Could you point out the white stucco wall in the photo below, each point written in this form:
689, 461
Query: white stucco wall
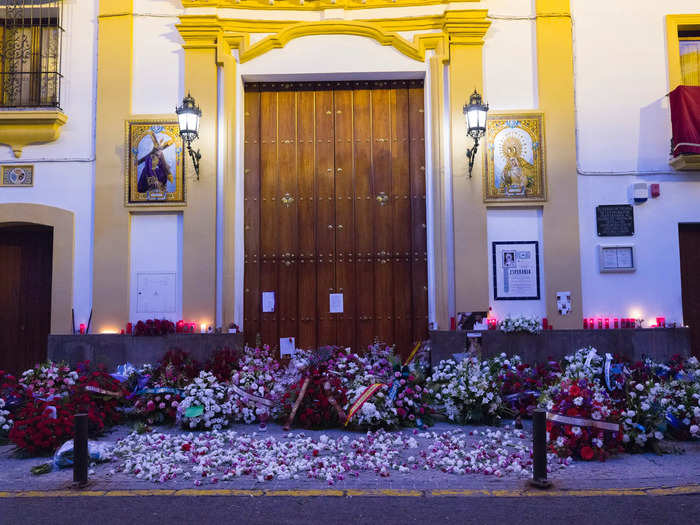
624, 132
155, 250
516, 224
64, 170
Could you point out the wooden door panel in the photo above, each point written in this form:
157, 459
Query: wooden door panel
306, 165
345, 214
325, 221
269, 220
286, 206
689, 244
26, 256
419, 268
10, 299
251, 297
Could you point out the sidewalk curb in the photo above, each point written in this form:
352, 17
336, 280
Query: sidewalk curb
648, 491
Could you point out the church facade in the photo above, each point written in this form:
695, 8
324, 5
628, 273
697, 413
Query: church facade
333, 199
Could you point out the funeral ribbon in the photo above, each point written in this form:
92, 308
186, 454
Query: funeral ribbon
297, 403
256, 399
580, 422
99, 390
159, 390
413, 353
364, 397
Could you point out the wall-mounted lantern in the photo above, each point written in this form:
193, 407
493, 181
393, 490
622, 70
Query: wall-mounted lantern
475, 115
188, 115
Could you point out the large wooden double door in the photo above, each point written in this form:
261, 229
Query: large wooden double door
335, 204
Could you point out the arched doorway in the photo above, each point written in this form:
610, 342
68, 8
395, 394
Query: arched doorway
26, 262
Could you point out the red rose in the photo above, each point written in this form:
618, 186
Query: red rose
587, 453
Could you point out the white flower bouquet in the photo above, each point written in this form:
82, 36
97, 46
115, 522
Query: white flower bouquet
468, 391
5, 421
520, 324
206, 404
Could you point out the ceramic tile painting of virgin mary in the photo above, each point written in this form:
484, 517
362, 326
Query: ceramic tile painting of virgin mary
514, 163
155, 174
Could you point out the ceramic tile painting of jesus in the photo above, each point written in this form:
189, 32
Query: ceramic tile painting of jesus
155, 169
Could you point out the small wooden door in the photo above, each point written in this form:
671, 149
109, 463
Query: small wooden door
25, 295
335, 204
689, 240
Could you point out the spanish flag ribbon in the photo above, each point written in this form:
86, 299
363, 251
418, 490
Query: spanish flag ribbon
364, 397
413, 353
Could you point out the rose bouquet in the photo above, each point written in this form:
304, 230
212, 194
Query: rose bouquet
40, 427
154, 327
159, 393
222, 363
520, 324
11, 392
255, 387
587, 418
177, 369
99, 395
158, 407
323, 394
206, 404
49, 380
523, 383
377, 412
467, 391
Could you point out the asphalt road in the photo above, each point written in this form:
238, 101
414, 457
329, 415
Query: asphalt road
350, 510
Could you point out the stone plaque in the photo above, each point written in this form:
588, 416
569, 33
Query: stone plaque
615, 220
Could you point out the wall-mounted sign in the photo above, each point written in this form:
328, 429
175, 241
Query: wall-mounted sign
336, 303
615, 220
616, 258
17, 176
268, 302
516, 270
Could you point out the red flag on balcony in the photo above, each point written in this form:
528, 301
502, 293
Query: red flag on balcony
685, 120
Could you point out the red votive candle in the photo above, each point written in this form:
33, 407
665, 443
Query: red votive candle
122, 332
607, 323
661, 322
453, 324
545, 323
129, 328
82, 328
585, 323
591, 323
616, 323
600, 323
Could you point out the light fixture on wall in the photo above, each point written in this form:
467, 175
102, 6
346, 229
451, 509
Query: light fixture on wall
188, 115
475, 115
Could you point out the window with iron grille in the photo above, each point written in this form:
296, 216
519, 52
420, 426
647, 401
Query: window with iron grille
30, 38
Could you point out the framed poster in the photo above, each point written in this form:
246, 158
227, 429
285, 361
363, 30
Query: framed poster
614, 258
514, 167
155, 173
516, 270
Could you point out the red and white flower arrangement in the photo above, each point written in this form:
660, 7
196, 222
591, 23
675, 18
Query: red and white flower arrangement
256, 386
49, 380
583, 401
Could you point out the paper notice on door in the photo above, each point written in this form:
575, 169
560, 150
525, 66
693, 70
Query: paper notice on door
268, 302
287, 346
336, 303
